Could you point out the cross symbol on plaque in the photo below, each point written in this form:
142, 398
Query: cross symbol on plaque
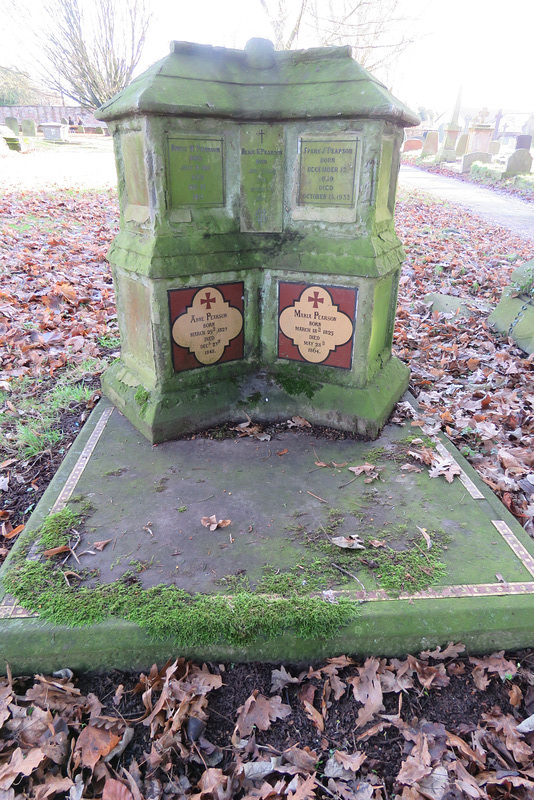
208, 301
261, 134
316, 299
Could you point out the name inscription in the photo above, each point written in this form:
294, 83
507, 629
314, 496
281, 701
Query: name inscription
316, 324
206, 325
195, 171
262, 178
327, 172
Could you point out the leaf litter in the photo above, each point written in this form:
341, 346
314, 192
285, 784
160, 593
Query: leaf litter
385, 729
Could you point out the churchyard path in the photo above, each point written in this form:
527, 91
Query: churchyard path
509, 212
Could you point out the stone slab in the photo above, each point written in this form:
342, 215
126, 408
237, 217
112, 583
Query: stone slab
149, 500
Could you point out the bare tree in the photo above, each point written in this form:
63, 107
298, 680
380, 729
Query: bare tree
87, 50
376, 30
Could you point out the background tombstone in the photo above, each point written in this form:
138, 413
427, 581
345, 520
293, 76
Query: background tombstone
55, 131
480, 137
469, 159
518, 163
461, 145
12, 141
29, 128
494, 148
257, 265
430, 147
523, 142
412, 145
13, 123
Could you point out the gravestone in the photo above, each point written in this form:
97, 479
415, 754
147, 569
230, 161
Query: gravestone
523, 142
256, 268
7, 135
479, 139
412, 145
518, 163
55, 131
28, 128
469, 159
461, 145
514, 315
494, 148
13, 123
430, 147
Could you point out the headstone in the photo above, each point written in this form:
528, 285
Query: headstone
411, 145
518, 163
64, 121
469, 159
523, 142
494, 148
55, 131
28, 128
461, 145
514, 315
257, 264
13, 123
12, 141
479, 139
430, 147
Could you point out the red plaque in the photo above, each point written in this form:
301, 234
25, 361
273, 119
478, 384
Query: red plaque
206, 325
316, 323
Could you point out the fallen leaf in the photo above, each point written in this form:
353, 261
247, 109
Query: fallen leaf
94, 743
213, 523
100, 545
115, 790
14, 532
282, 452
258, 711
351, 542
55, 551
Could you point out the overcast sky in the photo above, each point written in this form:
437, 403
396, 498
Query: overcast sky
483, 45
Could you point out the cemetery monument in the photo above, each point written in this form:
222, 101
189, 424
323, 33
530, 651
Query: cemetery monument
256, 268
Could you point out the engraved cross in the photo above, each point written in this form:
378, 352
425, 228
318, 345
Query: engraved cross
208, 301
261, 134
316, 299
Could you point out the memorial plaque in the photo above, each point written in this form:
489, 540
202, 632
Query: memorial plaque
316, 323
327, 172
206, 325
262, 178
195, 171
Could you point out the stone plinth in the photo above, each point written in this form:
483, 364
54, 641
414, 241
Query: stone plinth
257, 265
480, 137
448, 150
55, 131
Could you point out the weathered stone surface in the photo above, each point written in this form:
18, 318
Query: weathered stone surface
172, 486
469, 159
260, 205
514, 315
431, 144
7, 135
55, 131
13, 124
524, 141
412, 145
458, 306
461, 145
494, 148
479, 139
518, 163
29, 127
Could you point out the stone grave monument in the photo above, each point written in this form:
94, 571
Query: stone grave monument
13, 124
55, 131
256, 268
431, 144
29, 128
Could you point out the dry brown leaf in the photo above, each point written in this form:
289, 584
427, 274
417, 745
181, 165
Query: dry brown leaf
280, 678
14, 532
351, 542
213, 523
451, 651
100, 545
94, 743
258, 711
516, 696
56, 551
305, 789
352, 761
19, 765
54, 784
115, 790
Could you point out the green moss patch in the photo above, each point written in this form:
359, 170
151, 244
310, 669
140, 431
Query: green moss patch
56, 594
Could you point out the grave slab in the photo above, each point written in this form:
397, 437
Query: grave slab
288, 499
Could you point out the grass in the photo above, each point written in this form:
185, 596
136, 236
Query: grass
33, 427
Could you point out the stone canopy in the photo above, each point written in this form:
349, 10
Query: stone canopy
258, 83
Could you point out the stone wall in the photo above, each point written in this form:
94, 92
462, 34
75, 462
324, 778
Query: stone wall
50, 114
